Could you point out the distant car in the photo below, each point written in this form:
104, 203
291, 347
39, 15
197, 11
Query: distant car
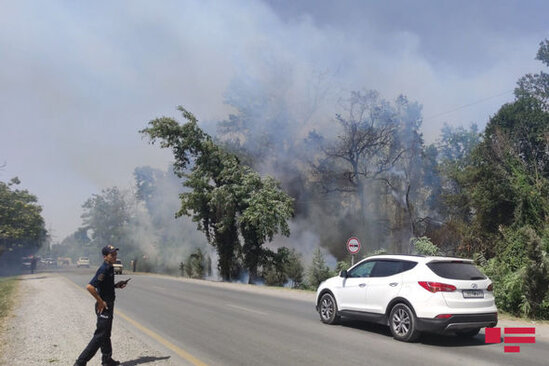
83, 262
49, 261
118, 267
26, 262
411, 294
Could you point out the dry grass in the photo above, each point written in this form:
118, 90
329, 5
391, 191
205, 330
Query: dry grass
8, 286
8, 289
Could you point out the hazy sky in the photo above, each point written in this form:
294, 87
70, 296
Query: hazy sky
79, 79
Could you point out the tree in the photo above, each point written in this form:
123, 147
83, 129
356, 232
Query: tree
225, 198
364, 148
405, 180
537, 85
274, 268
21, 222
146, 179
318, 271
265, 211
294, 269
350, 168
106, 215
206, 169
456, 143
195, 266
424, 246
536, 276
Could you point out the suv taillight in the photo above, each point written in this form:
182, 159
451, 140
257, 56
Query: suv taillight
490, 287
437, 286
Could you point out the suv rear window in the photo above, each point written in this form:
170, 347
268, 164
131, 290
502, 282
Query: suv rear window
456, 270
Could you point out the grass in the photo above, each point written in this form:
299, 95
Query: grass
8, 285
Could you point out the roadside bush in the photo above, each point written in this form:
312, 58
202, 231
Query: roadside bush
318, 271
520, 273
424, 246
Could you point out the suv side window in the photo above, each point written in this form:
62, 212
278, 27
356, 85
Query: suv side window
386, 268
362, 270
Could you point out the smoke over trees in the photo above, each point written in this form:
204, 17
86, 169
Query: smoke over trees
363, 170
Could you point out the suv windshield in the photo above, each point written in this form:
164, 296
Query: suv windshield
456, 270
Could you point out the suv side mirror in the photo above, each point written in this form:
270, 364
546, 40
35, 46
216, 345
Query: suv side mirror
343, 273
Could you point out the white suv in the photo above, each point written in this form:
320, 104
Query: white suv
411, 294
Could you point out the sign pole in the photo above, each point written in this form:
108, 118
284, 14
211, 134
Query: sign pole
353, 247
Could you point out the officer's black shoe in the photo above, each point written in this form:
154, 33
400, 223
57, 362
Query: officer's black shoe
111, 362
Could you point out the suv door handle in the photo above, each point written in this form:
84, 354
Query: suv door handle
393, 284
362, 285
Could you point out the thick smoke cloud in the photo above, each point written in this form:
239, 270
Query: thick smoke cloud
77, 81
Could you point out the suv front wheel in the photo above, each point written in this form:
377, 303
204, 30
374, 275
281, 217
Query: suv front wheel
402, 322
328, 309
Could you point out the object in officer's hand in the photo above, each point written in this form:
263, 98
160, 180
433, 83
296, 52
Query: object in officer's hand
123, 283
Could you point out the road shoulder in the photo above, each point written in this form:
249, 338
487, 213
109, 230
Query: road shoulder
53, 321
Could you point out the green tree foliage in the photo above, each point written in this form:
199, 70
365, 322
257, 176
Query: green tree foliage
225, 198
504, 182
519, 272
21, 221
424, 246
456, 143
536, 276
274, 268
294, 269
281, 267
195, 266
106, 216
343, 265
266, 209
497, 196
318, 271
536, 85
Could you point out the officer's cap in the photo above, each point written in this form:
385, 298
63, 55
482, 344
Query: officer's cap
108, 249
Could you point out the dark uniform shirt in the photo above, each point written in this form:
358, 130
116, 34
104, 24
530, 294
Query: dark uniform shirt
103, 281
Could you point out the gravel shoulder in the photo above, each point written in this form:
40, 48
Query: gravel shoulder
53, 321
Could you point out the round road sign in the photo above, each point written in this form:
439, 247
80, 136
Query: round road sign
353, 245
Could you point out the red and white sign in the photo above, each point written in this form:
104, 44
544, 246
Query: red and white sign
353, 245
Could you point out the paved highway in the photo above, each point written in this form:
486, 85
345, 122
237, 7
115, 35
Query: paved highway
205, 323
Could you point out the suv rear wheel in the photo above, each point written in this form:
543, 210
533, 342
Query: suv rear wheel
328, 309
402, 322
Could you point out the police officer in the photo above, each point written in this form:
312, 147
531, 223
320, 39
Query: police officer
101, 287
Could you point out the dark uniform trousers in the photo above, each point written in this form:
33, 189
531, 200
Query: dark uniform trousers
101, 337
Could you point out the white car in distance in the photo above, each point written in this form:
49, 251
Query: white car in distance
83, 262
411, 294
118, 267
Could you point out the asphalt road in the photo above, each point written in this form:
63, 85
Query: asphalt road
216, 325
